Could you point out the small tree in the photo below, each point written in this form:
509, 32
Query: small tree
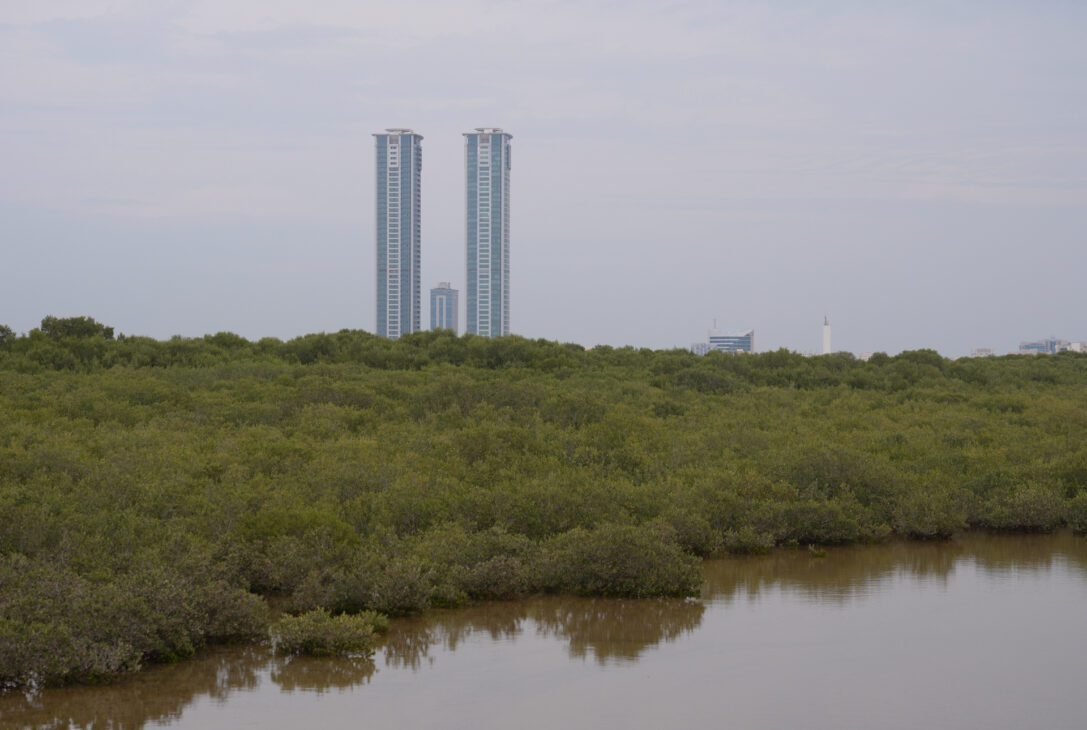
59, 328
6, 335
318, 633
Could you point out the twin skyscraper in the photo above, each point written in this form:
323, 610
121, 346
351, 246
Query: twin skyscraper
487, 231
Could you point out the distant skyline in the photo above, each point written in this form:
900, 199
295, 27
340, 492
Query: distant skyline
918, 171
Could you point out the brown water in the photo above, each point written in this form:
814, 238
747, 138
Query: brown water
982, 632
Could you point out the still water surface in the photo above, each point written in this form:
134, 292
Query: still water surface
982, 632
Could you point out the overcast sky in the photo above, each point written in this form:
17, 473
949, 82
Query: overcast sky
917, 170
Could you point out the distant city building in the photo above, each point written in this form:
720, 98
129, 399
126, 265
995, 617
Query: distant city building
732, 342
826, 336
1050, 346
982, 352
399, 168
700, 348
443, 307
487, 169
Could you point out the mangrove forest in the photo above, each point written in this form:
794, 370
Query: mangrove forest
158, 496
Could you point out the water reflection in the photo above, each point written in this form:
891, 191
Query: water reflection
607, 630
1004, 554
603, 631
157, 695
618, 630
846, 574
162, 693
842, 575
311, 674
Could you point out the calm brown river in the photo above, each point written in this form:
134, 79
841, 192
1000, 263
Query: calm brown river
982, 632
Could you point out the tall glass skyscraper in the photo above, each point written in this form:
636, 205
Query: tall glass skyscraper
443, 307
399, 168
487, 164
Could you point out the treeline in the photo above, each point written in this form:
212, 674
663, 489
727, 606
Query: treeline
152, 493
81, 344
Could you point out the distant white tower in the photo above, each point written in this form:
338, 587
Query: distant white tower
826, 336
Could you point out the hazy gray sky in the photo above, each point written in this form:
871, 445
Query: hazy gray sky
916, 170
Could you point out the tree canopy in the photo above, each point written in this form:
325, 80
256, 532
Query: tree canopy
74, 327
153, 493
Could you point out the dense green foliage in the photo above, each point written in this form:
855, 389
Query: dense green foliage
150, 491
318, 633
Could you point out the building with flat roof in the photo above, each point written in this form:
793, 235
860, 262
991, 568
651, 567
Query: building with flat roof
399, 166
487, 231
443, 307
1048, 346
732, 342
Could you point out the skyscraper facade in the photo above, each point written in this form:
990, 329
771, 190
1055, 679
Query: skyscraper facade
399, 168
443, 307
487, 165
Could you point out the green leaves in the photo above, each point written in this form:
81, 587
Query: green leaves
621, 561
318, 633
152, 492
75, 328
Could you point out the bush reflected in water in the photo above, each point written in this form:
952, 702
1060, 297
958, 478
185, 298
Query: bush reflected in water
313, 674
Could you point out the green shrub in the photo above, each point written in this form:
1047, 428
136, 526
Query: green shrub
1032, 507
318, 633
490, 564
748, 541
232, 614
396, 586
57, 627
500, 578
823, 522
321, 588
691, 531
706, 381
40, 654
928, 515
620, 561
1077, 513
